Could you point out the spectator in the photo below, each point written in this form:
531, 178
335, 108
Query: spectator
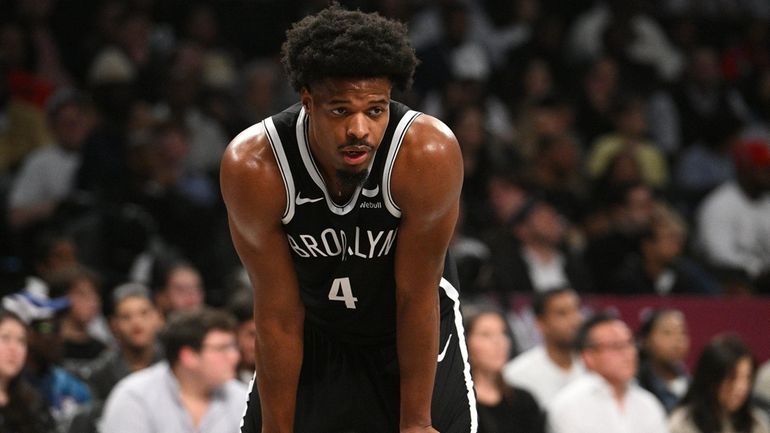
599, 88
177, 286
762, 387
708, 163
534, 258
623, 28
606, 399
24, 127
501, 407
51, 252
629, 135
627, 213
703, 97
64, 394
734, 221
183, 88
547, 368
82, 327
46, 177
663, 346
556, 171
661, 267
136, 323
22, 409
193, 390
242, 308
718, 397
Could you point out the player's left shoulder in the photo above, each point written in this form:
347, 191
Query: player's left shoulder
428, 135
430, 146
428, 170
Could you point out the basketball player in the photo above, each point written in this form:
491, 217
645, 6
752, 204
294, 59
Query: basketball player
341, 209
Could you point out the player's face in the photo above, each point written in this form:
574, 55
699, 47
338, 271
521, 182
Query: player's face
348, 118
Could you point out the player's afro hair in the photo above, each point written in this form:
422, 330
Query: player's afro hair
337, 43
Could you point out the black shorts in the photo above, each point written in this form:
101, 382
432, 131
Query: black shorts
349, 388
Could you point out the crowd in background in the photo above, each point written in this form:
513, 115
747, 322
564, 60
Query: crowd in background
610, 146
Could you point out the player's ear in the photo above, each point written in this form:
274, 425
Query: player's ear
306, 98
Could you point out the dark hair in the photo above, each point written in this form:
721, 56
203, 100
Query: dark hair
162, 270
61, 282
582, 339
650, 319
64, 98
242, 308
716, 363
471, 315
25, 405
347, 44
189, 329
541, 299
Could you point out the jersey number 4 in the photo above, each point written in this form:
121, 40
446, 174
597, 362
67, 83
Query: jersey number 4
341, 291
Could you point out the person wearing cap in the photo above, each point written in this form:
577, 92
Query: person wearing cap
135, 323
734, 222
47, 174
22, 409
64, 393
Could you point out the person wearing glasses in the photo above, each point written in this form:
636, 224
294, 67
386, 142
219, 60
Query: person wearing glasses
194, 390
606, 399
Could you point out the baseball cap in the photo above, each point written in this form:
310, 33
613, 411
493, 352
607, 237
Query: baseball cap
33, 303
752, 153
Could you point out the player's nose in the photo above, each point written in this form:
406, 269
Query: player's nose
358, 126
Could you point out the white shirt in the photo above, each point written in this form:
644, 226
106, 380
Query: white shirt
46, 175
735, 231
587, 405
545, 275
148, 401
536, 372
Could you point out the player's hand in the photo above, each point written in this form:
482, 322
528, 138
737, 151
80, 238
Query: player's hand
428, 429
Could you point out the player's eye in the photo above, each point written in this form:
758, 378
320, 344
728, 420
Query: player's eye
339, 111
376, 111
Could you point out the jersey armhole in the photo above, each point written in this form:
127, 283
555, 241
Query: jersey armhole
283, 166
387, 174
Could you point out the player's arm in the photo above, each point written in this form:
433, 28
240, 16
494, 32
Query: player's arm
426, 186
254, 194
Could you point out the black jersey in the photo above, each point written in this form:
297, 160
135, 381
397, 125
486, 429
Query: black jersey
343, 254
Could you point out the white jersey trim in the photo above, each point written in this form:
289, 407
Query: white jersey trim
452, 293
248, 393
315, 172
387, 173
283, 167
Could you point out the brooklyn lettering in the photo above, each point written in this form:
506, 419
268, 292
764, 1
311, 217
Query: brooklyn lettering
366, 244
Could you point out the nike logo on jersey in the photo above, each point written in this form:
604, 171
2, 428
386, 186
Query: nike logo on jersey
302, 200
442, 355
370, 192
